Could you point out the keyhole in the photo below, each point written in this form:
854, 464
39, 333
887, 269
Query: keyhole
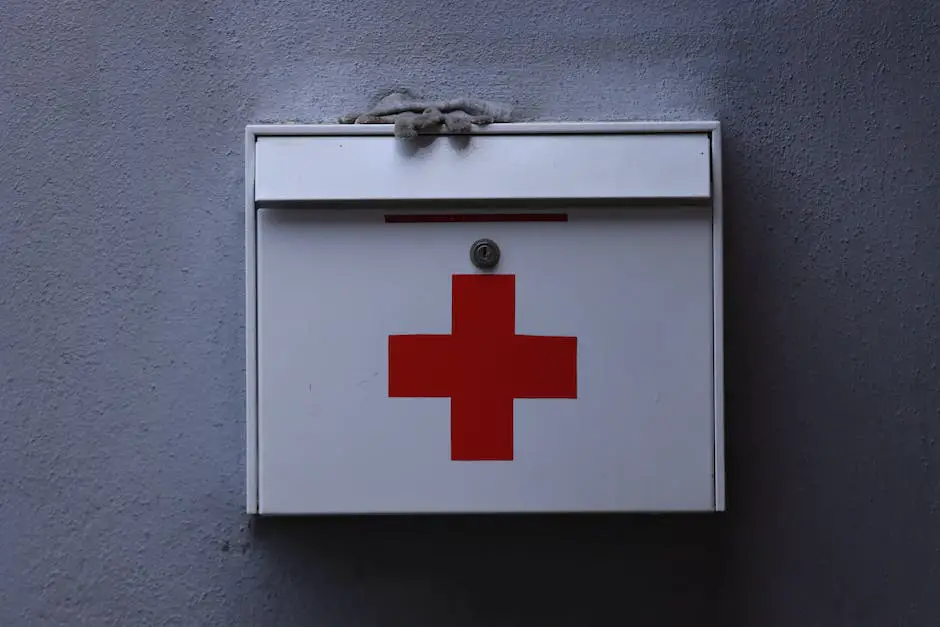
484, 253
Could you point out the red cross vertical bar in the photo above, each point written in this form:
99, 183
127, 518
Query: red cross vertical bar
482, 366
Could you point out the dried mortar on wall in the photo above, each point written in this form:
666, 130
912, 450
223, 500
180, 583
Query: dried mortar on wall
413, 116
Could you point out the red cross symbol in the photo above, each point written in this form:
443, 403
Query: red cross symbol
482, 366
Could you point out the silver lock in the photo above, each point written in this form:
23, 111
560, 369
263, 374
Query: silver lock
484, 254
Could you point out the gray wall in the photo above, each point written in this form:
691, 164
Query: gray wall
121, 297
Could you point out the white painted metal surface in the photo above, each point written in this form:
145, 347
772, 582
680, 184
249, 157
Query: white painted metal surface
493, 166
640, 288
633, 286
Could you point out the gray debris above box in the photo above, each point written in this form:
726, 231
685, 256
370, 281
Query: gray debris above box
413, 116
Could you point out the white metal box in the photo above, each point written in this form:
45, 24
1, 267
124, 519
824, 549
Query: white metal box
386, 373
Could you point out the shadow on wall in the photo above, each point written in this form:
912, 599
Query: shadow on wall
497, 570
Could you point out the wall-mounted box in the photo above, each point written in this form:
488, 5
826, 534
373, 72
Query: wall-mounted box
389, 370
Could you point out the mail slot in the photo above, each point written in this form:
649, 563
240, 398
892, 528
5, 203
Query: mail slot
448, 337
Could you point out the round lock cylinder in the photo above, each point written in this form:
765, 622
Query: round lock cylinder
484, 254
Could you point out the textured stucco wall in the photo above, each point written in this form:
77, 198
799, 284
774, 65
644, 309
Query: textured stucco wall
121, 296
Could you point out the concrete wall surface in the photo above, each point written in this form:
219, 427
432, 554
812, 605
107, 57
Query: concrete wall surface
122, 324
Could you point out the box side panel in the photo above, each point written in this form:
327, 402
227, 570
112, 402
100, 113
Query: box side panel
251, 363
718, 273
